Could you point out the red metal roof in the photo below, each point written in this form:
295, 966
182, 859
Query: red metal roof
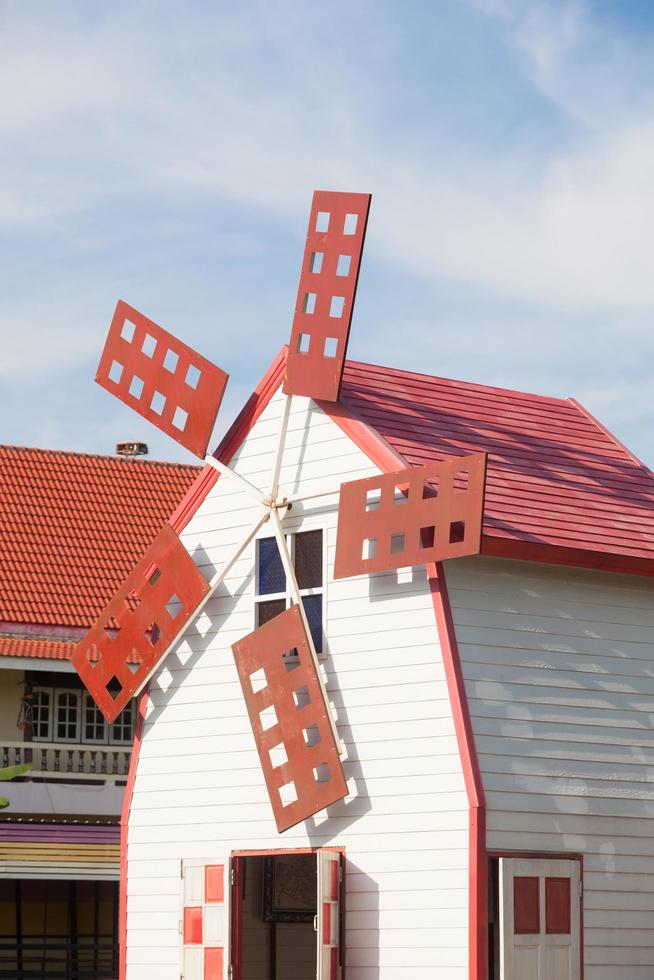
556, 478
72, 526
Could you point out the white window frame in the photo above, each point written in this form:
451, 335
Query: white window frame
124, 741
50, 692
83, 697
77, 693
87, 701
289, 534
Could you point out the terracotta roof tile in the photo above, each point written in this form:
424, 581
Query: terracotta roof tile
47, 649
72, 526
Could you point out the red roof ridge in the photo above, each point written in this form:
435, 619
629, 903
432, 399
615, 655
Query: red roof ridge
112, 457
611, 436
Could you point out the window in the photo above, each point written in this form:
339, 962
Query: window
73, 716
41, 714
67, 717
306, 550
95, 727
122, 729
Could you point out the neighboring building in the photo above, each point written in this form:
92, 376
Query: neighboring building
500, 743
71, 526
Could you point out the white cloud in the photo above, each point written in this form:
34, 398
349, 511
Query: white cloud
572, 231
255, 105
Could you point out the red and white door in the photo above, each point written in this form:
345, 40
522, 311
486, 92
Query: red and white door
330, 874
539, 919
205, 919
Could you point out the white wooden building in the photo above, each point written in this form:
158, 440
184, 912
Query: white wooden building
497, 713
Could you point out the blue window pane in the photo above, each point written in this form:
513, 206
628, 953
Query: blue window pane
271, 571
313, 609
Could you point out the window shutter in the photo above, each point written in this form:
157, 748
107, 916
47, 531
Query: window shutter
205, 919
329, 914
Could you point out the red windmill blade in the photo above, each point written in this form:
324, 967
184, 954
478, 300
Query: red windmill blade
161, 378
290, 719
326, 294
414, 516
138, 626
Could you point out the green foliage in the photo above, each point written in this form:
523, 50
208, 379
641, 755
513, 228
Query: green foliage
10, 772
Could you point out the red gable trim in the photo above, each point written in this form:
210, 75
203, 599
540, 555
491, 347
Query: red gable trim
237, 432
185, 511
478, 860
620, 445
124, 823
386, 457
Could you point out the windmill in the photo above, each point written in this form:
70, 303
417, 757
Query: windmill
416, 515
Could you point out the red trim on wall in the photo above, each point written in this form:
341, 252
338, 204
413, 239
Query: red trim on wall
253, 408
124, 822
478, 859
385, 457
576, 557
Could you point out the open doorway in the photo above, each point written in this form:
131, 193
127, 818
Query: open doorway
286, 908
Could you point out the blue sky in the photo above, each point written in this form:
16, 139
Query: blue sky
166, 153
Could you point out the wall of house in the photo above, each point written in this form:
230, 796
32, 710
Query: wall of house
559, 670
199, 790
10, 694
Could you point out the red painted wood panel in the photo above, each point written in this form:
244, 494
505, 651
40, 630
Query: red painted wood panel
557, 906
214, 962
326, 294
410, 516
162, 379
214, 883
298, 754
136, 628
526, 906
193, 925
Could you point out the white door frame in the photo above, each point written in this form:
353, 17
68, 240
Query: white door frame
541, 867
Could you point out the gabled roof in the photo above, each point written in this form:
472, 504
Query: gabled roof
560, 487
72, 526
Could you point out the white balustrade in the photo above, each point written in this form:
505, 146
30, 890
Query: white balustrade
68, 761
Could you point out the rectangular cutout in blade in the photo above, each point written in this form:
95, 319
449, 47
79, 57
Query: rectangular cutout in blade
137, 627
298, 754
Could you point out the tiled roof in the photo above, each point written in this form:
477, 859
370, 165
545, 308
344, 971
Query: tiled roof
18, 646
72, 526
556, 477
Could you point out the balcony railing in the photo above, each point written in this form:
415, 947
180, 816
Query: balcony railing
66, 761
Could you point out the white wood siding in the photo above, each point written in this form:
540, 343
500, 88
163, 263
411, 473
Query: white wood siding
199, 790
559, 671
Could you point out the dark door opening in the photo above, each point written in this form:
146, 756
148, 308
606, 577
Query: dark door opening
58, 930
278, 909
